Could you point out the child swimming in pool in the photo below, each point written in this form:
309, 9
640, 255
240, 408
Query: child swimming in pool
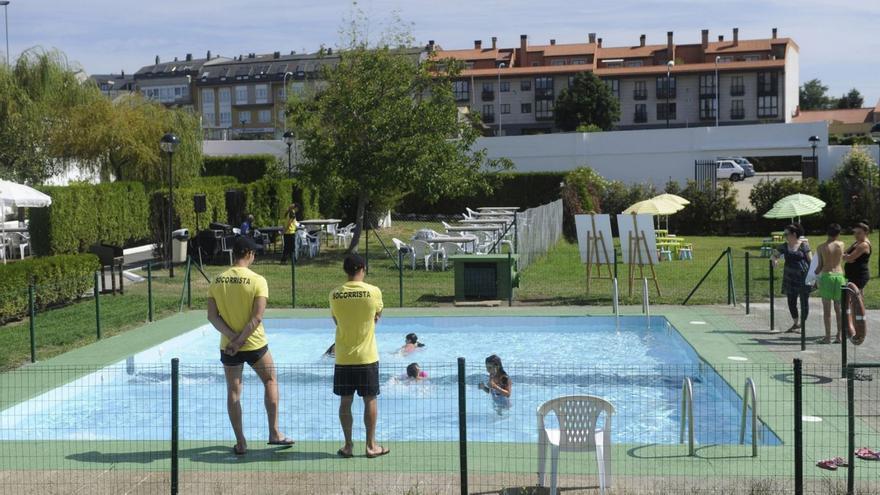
414, 373
412, 344
499, 385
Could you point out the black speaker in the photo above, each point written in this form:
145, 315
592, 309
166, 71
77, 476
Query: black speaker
200, 205
234, 207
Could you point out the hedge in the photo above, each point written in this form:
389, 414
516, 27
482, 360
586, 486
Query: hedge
84, 214
245, 168
59, 280
267, 200
525, 190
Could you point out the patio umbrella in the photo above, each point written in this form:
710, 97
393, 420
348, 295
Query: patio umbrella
656, 206
795, 205
672, 197
15, 195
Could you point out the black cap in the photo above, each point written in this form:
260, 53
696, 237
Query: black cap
353, 263
242, 245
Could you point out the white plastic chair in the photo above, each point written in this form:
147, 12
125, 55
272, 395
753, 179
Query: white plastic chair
448, 249
406, 250
578, 431
446, 226
344, 234
226, 247
423, 251
22, 241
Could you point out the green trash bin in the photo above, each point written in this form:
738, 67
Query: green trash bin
484, 277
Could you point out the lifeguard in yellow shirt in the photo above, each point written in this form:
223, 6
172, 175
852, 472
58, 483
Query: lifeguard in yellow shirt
356, 307
236, 301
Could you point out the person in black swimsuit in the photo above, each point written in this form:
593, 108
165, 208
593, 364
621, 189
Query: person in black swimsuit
857, 256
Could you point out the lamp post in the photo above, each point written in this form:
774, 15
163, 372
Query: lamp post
289, 140
286, 99
5, 4
717, 92
169, 143
669, 66
814, 142
875, 135
500, 66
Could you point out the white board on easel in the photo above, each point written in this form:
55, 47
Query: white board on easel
626, 228
595, 231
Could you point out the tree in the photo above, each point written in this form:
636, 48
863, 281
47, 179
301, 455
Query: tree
857, 179
853, 99
814, 96
589, 101
380, 125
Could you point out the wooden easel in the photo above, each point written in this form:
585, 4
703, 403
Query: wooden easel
594, 240
635, 242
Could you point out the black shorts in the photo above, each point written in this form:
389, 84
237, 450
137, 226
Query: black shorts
360, 378
241, 357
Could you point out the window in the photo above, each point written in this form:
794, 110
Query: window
752, 57
544, 88
737, 110
262, 93
578, 61
177, 92
505, 108
489, 113
461, 90
207, 97
544, 109
737, 87
468, 65
614, 86
282, 93
666, 87
525, 108
525, 85
224, 95
768, 84
505, 86
707, 108
725, 59
640, 91
264, 116
768, 106
632, 63
244, 117
641, 114
665, 112
225, 118
241, 95
707, 85
536, 64
612, 64
488, 87
558, 61
570, 81
281, 116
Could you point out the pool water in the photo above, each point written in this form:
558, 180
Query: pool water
636, 363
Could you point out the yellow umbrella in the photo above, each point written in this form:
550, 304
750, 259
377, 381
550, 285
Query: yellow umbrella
672, 197
655, 206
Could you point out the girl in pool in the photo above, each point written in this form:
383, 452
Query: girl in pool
499, 385
412, 344
414, 373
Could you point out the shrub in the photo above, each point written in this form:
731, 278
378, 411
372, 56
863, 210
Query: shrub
856, 181
244, 168
707, 213
582, 193
267, 200
84, 214
59, 280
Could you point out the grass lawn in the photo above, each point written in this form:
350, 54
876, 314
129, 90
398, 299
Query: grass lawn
555, 279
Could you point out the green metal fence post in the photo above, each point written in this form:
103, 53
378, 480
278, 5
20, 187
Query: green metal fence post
772, 302
175, 413
798, 429
189, 282
400, 274
97, 307
293, 278
748, 285
516, 232
729, 279
462, 428
32, 313
509, 279
850, 429
150, 291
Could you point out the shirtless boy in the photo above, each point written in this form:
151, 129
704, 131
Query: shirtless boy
830, 279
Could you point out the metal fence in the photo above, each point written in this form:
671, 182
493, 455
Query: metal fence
163, 428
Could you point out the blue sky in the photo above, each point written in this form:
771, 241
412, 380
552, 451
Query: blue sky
838, 39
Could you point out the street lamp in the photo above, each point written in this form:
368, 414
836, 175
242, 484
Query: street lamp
289, 139
286, 99
669, 66
814, 141
5, 4
168, 144
717, 92
500, 66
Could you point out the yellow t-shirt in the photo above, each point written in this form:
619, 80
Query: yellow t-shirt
354, 305
291, 226
234, 292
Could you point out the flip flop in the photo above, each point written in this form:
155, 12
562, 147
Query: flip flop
840, 462
343, 454
867, 454
287, 442
827, 464
379, 454
239, 451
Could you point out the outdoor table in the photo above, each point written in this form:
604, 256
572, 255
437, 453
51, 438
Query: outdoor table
272, 232
475, 228
499, 208
485, 221
321, 223
455, 239
500, 214
661, 232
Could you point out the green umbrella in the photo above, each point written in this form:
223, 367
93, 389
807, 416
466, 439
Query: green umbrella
795, 205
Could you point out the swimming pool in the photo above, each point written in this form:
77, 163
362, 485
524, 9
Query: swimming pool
636, 363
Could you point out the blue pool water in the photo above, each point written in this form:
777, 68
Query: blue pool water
635, 363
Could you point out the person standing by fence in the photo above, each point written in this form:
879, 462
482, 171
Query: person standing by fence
830, 279
796, 253
356, 307
857, 257
289, 234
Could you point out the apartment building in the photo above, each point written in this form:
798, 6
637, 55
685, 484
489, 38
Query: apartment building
849, 122
114, 85
170, 83
723, 82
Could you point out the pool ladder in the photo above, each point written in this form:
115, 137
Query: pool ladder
687, 413
615, 296
749, 391
646, 302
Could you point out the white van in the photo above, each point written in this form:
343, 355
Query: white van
729, 169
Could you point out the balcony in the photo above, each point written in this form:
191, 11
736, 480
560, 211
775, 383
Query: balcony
707, 93
663, 93
488, 96
640, 95
488, 118
737, 91
462, 96
544, 94
737, 114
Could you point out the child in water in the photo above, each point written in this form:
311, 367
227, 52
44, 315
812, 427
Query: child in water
414, 372
499, 385
412, 344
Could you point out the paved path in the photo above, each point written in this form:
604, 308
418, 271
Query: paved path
744, 187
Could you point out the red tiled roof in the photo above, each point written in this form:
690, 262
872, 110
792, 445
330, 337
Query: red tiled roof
843, 116
563, 50
629, 51
474, 54
625, 71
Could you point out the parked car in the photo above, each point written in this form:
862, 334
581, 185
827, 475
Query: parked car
748, 168
729, 169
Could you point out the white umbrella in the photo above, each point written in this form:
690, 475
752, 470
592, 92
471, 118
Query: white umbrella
15, 195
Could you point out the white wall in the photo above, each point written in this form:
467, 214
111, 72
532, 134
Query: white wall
632, 156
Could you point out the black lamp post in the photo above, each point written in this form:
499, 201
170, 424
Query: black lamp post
814, 141
669, 65
169, 143
289, 140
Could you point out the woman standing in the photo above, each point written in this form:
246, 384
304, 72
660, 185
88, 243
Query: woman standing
796, 254
290, 227
857, 256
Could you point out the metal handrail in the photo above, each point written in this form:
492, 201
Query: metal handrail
749, 391
616, 297
646, 301
687, 413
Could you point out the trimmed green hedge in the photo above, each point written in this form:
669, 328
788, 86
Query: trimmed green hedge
245, 168
525, 190
84, 214
58, 279
267, 200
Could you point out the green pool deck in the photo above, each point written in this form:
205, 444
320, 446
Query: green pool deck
717, 339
